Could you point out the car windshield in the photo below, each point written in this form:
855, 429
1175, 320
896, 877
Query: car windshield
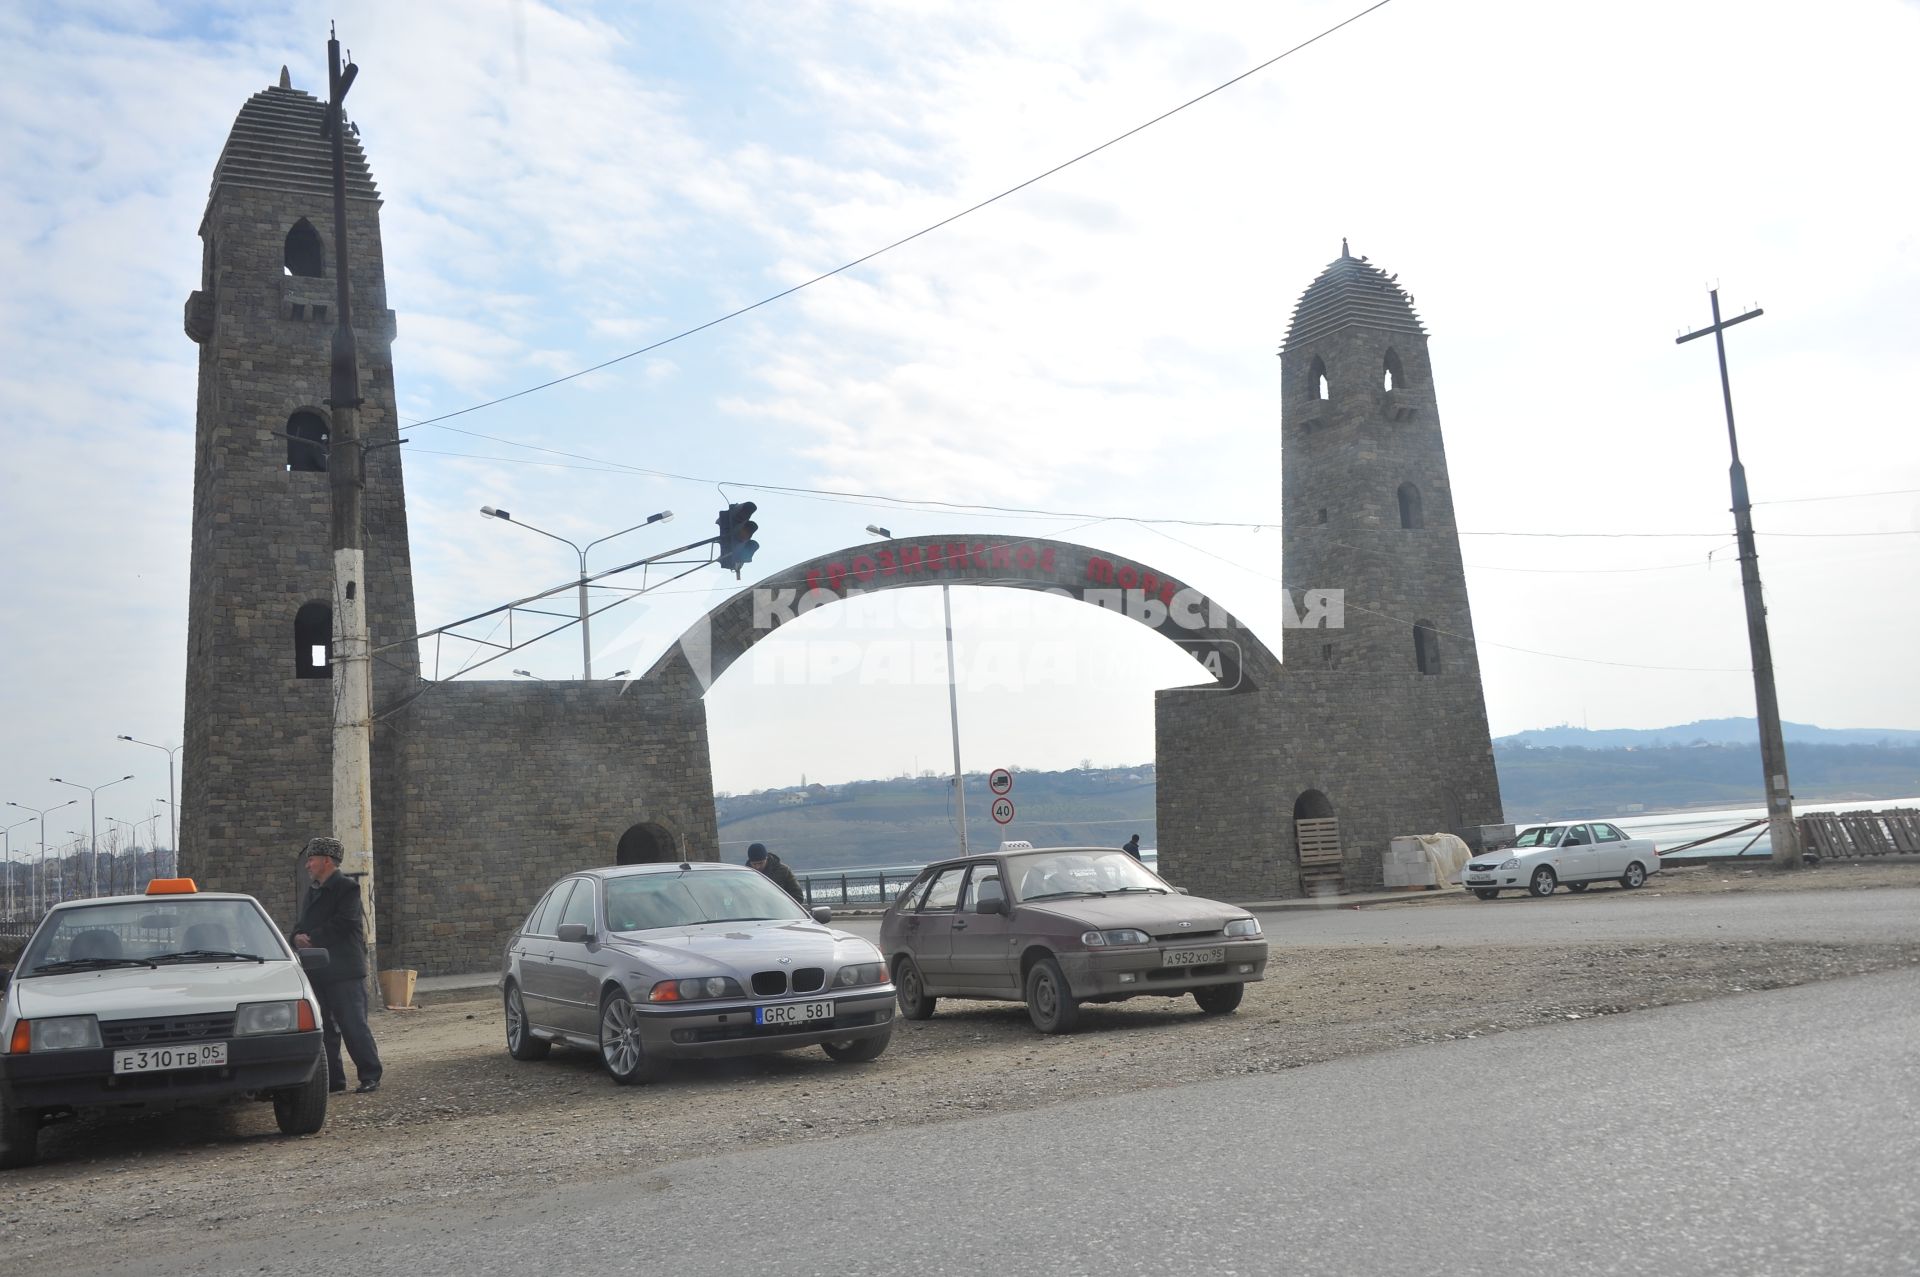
151, 932
1541, 836
1057, 874
645, 902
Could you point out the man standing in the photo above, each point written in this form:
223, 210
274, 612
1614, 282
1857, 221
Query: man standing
1132, 847
331, 919
758, 857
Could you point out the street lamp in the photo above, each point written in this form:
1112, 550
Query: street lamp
173, 811
586, 645
173, 852
41, 812
953, 700
133, 840
530, 674
6, 838
93, 823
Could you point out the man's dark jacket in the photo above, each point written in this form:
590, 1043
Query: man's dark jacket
782, 875
333, 920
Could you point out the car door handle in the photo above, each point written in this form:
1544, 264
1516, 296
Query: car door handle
959, 924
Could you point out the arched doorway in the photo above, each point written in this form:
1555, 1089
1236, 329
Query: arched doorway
645, 844
1316, 835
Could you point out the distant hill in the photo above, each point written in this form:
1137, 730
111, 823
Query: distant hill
1708, 731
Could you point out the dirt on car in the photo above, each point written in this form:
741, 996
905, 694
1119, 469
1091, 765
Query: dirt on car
456, 1118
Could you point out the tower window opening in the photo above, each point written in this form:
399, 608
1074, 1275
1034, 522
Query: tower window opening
1410, 513
1426, 647
304, 255
1393, 376
306, 441
1316, 388
313, 640
1323, 515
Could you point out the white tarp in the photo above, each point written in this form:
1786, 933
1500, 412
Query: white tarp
1426, 860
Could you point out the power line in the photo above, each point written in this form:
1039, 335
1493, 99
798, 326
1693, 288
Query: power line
908, 239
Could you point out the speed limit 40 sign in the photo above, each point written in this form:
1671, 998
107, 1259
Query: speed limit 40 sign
1003, 810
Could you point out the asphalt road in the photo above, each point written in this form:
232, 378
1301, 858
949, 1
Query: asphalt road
1774, 1133
1603, 915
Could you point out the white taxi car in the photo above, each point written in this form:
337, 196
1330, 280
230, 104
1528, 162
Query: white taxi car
175, 997
1571, 853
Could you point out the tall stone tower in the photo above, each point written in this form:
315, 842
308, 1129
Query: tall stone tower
1366, 505
257, 761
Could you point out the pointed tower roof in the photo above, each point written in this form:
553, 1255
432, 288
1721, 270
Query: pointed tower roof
276, 145
1351, 291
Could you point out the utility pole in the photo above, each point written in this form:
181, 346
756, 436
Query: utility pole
953, 715
351, 666
1781, 833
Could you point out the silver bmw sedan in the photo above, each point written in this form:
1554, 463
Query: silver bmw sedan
651, 963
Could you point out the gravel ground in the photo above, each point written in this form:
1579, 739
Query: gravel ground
458, 1119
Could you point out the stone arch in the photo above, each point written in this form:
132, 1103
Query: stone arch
313, 640
1393, 376
304, 254
647, 843
1426, 647
1312, 804
1232, 655
307, 433
1317, 388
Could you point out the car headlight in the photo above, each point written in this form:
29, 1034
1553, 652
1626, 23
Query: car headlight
1512, 862
1244, 927
1123, 935
700, 989
65, 1033
266, 1017
863, 973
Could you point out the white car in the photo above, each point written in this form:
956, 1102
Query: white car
175, 997
1574, 854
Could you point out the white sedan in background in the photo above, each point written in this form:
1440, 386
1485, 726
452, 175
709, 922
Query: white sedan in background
1575, 854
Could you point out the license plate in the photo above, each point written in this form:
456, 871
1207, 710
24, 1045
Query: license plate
156, 1059
1474, 882
793, 1013
1192, 957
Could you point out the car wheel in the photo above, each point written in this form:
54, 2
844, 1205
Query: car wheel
1576, 886
1219, 999
1050, 1003
1635, 876
302, 1110
858, 1050
19, 1137
1543, 882
521, 1044
911, 990
1486, 893
620, 1047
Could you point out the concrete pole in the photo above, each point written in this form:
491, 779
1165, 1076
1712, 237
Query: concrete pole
953, 712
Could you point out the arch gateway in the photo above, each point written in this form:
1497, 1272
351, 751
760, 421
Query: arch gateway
1279, 771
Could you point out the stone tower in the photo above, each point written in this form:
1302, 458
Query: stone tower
1365, 501
259, 624
1298, 782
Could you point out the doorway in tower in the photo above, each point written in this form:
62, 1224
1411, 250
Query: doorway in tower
645, 844
1316, 833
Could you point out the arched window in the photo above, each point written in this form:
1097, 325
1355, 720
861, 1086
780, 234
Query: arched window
313, 640
645, 844
1394, 378
1410, 515
1316, 387
306, 441
1426, 647
304, 255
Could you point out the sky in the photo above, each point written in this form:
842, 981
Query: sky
1558, 187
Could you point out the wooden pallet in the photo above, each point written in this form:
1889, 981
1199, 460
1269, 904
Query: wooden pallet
1322, 866
1850, 835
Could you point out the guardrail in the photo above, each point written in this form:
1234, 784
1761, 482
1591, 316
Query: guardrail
855, 889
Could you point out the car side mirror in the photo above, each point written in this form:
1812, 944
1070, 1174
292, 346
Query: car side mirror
992, 904
573, 933
822, 914
314, 959
1181, 890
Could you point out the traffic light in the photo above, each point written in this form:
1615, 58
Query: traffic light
737, 527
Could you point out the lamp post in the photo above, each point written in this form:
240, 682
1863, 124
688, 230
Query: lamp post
173, 852
133, 842
93, 823
6, 836
172, 811
953, 700
530, 674
586, 645
41, 812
